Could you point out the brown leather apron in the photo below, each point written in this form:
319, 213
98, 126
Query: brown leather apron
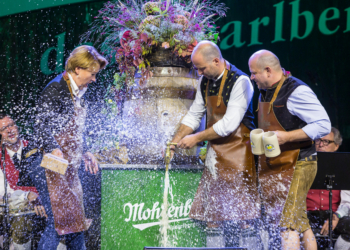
66, 193
228, 187
275, 174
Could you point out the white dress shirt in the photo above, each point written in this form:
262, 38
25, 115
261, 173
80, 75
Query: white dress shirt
22, 194
19, 151
2, 185
344, 206
76, 91
240, 98
304, 104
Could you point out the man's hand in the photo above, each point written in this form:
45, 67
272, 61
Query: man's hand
32, 196
90, 163
172, 151
39, 209
335, 220
188, 142
57, 152
282, 137
291, 136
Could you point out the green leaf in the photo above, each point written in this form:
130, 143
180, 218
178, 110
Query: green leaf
216, 36
156, 9
203, 151
108, 89
116, 77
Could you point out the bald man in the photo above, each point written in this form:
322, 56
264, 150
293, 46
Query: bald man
290, 108
227, 191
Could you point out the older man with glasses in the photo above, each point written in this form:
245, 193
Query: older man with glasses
19, 187
317, 200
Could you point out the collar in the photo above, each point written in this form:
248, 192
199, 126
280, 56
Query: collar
274, 85
220, 76
19, 151
76, 91
285, 73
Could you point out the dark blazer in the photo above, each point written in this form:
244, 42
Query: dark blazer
55, 108
23, 167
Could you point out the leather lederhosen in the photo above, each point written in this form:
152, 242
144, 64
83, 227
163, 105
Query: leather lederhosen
66, 193
228, 187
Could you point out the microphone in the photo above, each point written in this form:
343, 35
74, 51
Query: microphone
2, 160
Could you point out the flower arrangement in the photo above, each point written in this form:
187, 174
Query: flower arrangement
130, 30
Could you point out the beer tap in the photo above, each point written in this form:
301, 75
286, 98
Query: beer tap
167, 157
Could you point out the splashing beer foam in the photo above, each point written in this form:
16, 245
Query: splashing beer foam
164, 222
210, 162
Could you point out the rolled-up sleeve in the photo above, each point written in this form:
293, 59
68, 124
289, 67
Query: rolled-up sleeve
240, 98
344, 207
194, 116
304, 104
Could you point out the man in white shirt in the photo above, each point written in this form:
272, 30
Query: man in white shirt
227, 192
290, 108
341, 220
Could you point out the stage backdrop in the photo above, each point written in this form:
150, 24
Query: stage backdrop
310, 39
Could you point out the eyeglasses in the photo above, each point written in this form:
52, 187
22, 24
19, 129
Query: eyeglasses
325, 142
11, 125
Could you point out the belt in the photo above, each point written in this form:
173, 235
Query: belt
309, 158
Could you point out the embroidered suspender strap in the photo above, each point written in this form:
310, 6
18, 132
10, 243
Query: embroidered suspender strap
206, 93
285, 75
66, 78
279, 86
223, 80
258, 105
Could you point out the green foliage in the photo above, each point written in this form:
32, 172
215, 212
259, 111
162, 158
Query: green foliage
203, 150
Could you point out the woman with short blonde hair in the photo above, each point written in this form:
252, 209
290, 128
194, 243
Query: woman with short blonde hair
85, 57
59, 129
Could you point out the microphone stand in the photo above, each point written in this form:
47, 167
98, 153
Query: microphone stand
5, 205
330, 224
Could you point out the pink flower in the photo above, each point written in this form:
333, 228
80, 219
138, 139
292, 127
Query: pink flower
180, 19
166, 45
144, 37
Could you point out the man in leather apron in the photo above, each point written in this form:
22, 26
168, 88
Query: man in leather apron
60, 122
228, 188
290, 108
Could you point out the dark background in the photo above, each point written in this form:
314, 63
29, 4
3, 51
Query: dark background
319, 60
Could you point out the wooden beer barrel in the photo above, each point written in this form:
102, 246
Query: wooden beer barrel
152, 114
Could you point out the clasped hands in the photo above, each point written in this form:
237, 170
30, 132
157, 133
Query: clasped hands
325, 228
17, 200
38, 207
